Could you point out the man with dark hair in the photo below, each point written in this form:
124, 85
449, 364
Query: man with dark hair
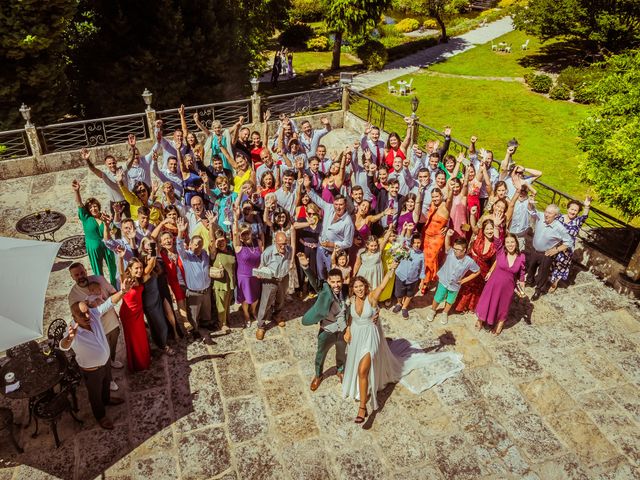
331, 312
287, 194
337, 228
109, 179
310, 138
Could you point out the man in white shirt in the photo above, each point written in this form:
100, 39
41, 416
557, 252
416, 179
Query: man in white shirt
110, 322
89, 342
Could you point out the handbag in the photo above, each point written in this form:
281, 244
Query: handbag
217, 273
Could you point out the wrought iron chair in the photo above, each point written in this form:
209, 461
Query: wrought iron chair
56, 331
71, 378
6, 423
50, 411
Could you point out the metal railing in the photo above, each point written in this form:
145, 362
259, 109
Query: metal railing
227, 113
615, 238
62, 137
14, 144
303, 103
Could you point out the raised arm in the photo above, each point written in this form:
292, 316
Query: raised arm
339, 181
265, 129
472, 145
407, 138
228, 156
447, 141
75, 186
504, 166
85, 154
235, 130
315, 198
447, 240
314, 281
183, 122
203, 129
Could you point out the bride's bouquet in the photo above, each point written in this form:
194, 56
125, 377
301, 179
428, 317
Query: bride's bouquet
400, 251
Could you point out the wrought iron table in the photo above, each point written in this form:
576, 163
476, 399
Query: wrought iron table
72, 248
41, 225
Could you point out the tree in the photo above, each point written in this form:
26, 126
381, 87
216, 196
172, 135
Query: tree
439, 10
610, 24
609, 136
32, 52
353, 16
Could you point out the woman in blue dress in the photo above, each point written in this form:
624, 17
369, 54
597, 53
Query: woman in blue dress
573, 223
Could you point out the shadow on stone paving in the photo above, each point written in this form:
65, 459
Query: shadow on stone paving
176, 390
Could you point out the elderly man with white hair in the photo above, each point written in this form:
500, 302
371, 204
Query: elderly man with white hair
275, 263
549, 239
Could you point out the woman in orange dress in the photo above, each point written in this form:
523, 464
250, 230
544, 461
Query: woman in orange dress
434, 230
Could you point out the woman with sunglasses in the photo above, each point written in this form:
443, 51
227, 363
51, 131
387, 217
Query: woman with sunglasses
141, 196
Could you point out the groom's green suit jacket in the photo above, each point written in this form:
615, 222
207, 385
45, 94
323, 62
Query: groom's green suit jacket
320, 310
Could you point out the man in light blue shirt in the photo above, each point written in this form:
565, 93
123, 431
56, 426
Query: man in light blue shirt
195, 262
337, 228
549, 239
310, 138
170, 174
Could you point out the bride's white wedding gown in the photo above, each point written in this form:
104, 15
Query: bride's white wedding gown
397, 361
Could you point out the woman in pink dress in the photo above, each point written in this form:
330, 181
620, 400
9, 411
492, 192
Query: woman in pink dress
459, 219
132, 318
495, 300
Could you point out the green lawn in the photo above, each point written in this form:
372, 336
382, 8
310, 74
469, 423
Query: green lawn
482, 61
495, 112
307, 62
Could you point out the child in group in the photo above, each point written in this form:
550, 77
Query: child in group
452, 275
95, 296
340, 260
409, 273
369, 261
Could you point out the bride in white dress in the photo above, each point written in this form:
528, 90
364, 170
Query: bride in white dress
373, 363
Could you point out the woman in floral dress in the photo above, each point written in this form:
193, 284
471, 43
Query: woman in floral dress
573, 223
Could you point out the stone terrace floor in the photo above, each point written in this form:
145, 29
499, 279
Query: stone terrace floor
554, 399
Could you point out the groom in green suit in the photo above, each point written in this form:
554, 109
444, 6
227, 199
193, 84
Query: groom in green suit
331, 312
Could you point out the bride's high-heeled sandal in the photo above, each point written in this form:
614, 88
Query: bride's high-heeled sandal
359, 418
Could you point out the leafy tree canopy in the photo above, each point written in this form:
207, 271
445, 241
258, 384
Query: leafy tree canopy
610, 24
611, 135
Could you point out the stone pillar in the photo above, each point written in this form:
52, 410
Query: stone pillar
633, 268
345, 98
414, 130
34, 141
256, 113
151, 120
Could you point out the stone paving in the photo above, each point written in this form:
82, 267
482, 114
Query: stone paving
556, 396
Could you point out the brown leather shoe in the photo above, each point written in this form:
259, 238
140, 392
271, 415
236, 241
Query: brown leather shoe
315, 383
281, 322
106, 423
115, 401
260, 333
340, 376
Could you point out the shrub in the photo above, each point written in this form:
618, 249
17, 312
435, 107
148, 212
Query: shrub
373, 55
296, 35
560, 92
388, 30
541, 83
319, 44
404, 49
488, 13
456, 6
528, 77
306, 10
407, 25
430, 24
584, 93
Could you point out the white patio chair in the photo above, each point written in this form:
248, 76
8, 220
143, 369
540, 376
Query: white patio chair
525, 45
507, 49
494, 47
409, 86
390, 87
403, 89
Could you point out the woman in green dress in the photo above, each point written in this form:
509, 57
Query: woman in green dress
222, 271
93, 225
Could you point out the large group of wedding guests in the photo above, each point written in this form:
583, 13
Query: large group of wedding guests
208, 219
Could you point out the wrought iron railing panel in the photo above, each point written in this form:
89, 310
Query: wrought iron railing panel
227, 113
14, 144
613, 237
297, 104
92, 133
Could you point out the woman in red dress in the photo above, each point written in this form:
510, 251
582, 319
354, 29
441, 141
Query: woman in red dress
132, 318
483, 252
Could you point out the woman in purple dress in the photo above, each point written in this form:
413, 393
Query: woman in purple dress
247, 258
497, 295
362, 222
410, 212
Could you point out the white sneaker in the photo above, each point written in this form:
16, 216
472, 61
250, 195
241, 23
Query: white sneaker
113, 386
430, 315
117, 364
444, 318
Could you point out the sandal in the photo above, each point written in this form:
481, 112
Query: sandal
478, 325
552, 288
360, 418
169, 351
